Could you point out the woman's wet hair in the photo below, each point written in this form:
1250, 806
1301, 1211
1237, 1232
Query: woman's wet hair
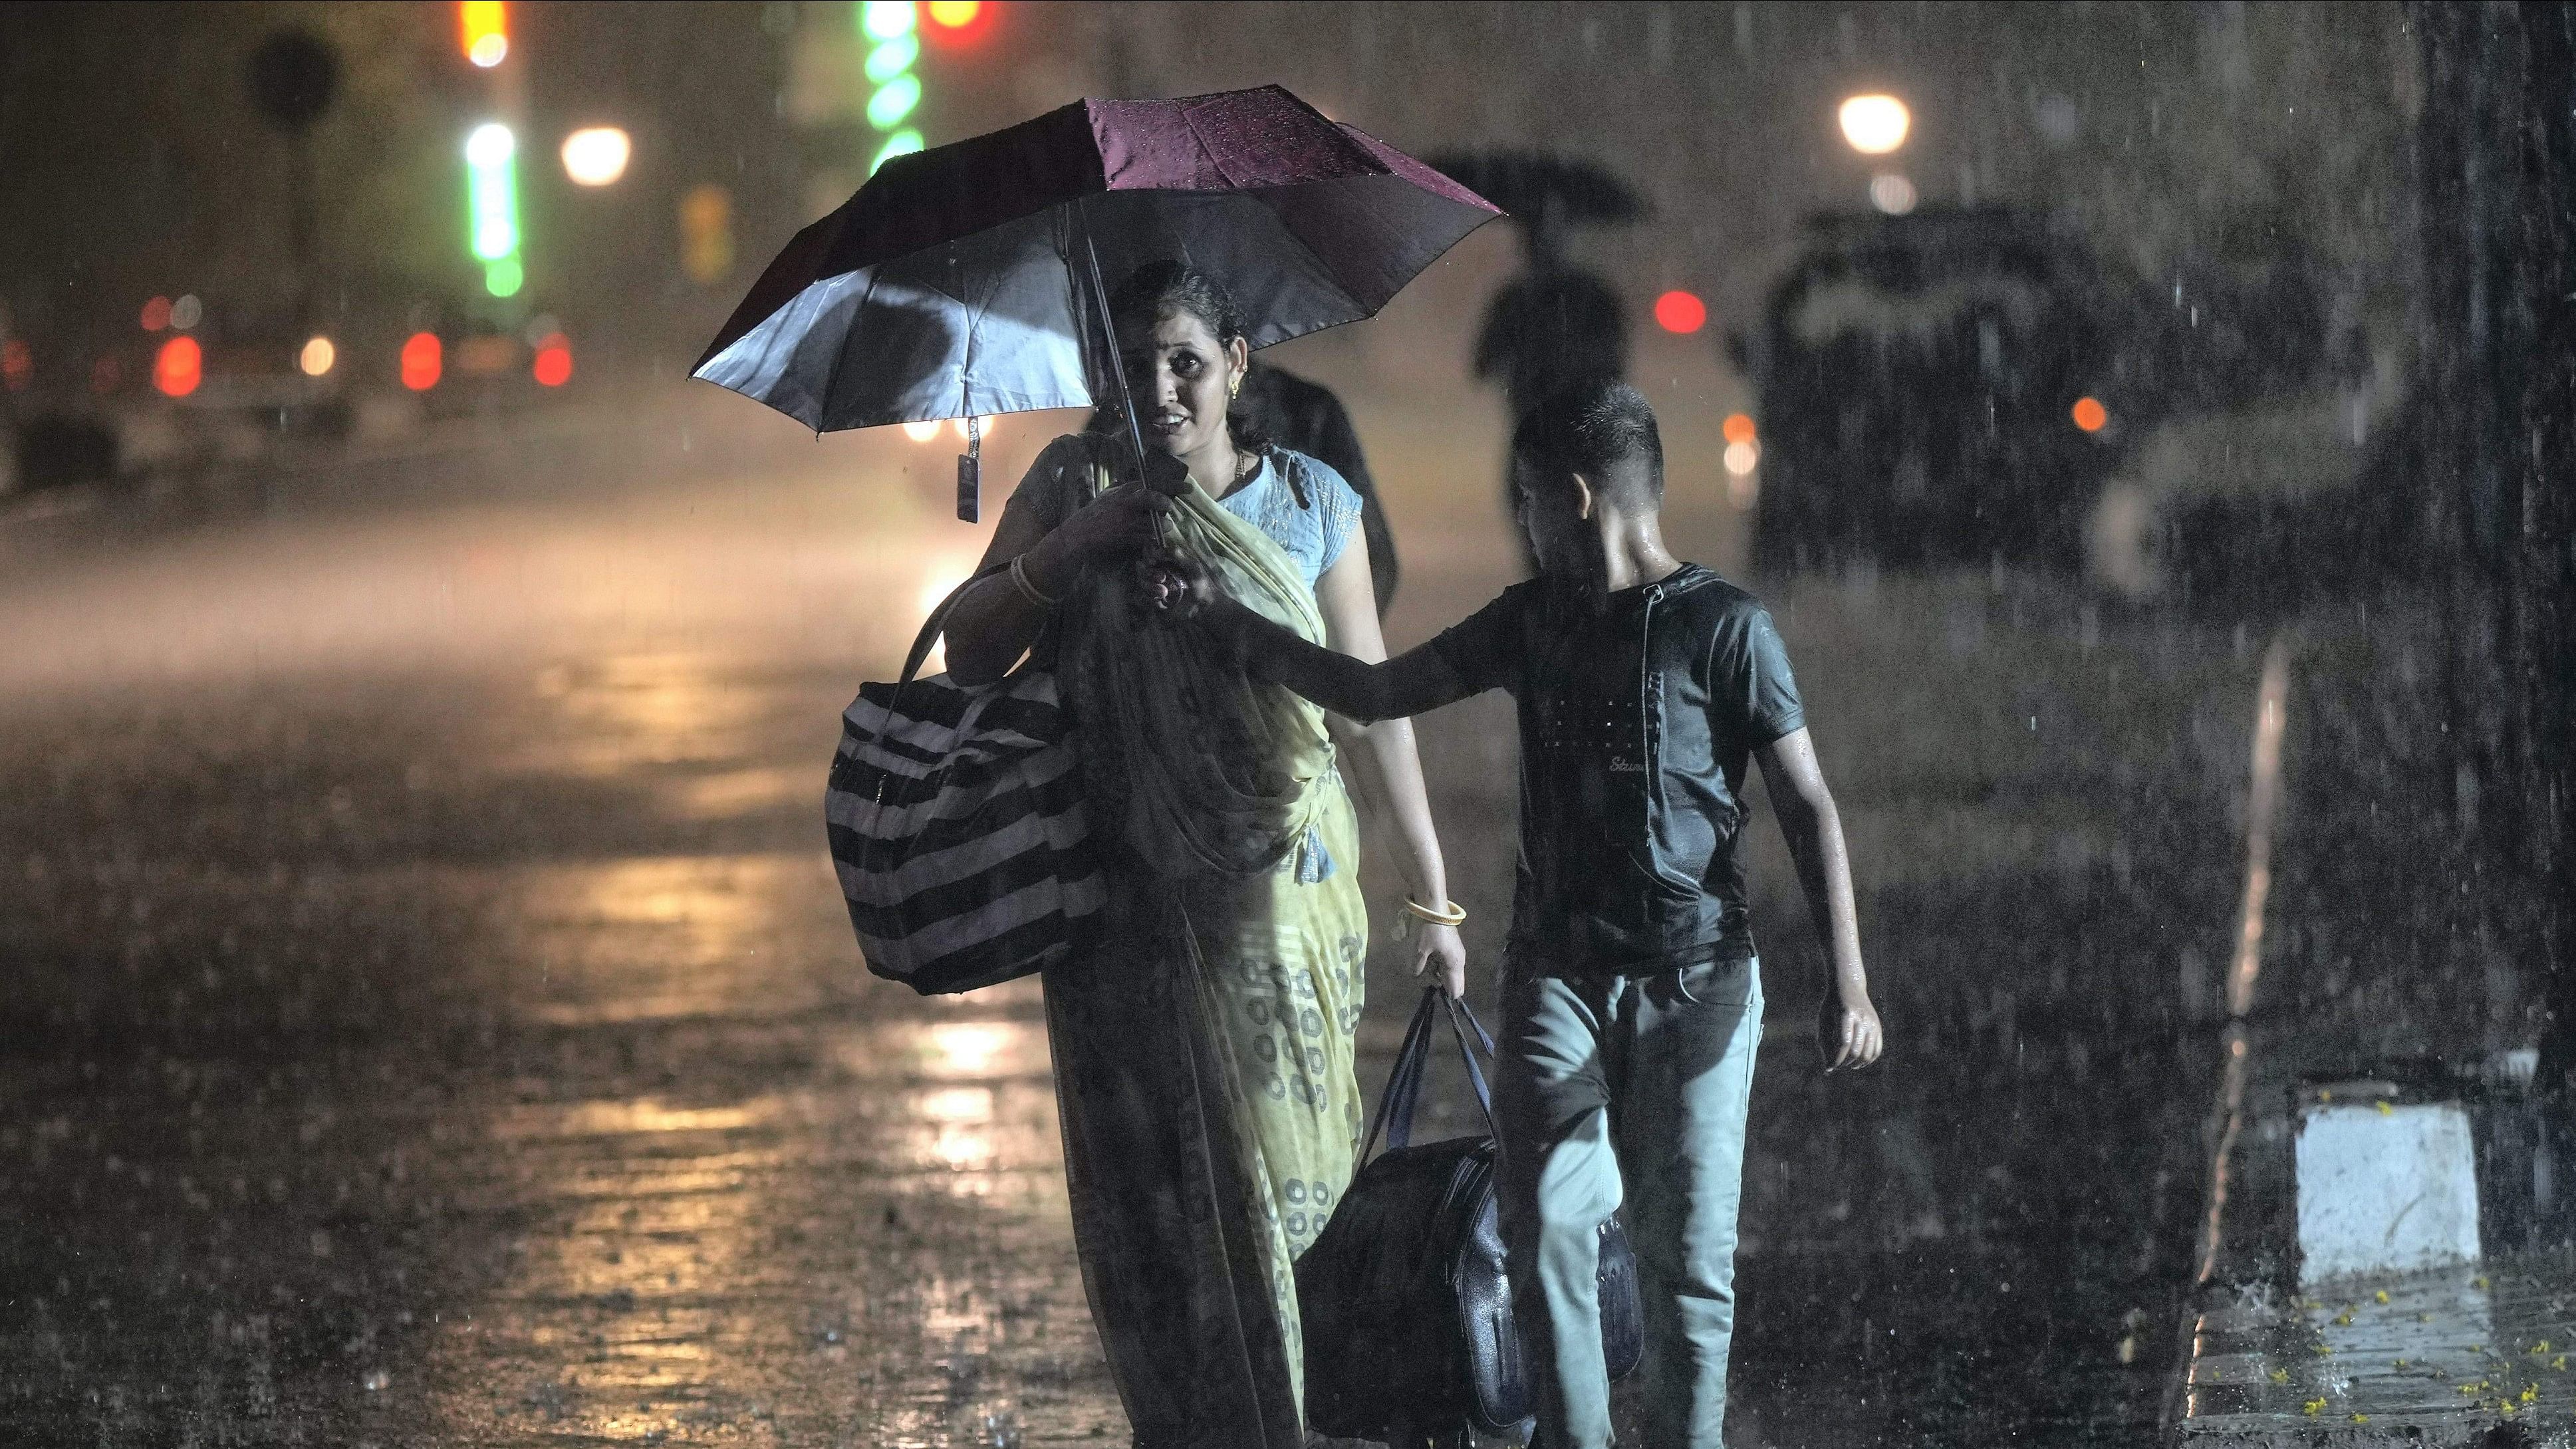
1158, 287
1601, 428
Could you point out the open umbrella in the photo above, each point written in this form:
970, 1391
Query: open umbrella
967, 280
1541, 188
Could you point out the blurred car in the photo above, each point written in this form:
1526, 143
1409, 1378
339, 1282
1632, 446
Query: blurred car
1956, 385
184, 382
1915, 375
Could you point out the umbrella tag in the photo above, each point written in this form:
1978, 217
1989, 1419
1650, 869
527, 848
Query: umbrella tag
970, 473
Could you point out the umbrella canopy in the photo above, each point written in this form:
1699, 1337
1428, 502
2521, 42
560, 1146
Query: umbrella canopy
960, 281
1537, 187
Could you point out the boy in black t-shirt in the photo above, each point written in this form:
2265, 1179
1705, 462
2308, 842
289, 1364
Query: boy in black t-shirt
1632, 999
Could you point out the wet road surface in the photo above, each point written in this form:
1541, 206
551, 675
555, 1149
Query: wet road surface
431, 1020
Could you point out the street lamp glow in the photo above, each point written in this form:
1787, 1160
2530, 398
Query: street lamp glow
1875, 125
596, 155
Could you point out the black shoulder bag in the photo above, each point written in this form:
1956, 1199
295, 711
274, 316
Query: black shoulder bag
1408, 1312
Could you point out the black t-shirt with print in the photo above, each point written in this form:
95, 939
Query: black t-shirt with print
1636, 722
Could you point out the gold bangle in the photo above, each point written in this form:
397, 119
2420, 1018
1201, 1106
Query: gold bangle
1455, 915
1020, 581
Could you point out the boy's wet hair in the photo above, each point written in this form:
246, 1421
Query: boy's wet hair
1593, 427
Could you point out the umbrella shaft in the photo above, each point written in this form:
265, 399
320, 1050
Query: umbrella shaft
1109, 331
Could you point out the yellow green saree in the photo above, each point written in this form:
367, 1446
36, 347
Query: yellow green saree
1203, 1041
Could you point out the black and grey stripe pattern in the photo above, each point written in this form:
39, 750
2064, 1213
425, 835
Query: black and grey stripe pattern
957, 827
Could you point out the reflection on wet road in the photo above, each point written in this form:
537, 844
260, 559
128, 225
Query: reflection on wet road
437, 1024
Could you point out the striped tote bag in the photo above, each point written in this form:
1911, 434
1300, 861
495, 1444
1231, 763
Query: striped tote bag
957, 826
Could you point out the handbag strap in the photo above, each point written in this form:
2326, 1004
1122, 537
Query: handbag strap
938, 620
1096, 475
1403, 1092
929, 635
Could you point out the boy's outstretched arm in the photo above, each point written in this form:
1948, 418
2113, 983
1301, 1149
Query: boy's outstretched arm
1847, 1023
1409, 684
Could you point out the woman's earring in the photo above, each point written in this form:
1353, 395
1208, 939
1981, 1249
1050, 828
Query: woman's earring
1234, 388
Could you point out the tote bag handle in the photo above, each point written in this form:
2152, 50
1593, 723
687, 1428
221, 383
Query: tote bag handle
1403, 1093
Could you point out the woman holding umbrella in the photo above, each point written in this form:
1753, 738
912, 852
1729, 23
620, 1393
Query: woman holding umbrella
1202, 1024
1203, 1043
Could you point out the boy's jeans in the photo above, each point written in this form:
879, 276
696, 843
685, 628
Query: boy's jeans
1634, 1087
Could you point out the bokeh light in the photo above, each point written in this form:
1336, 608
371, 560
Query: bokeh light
1742, 458
492, 193
1875, 124
706, 233
596, 155
317, 357
893, 101
553, 365
921, 432
489, 144
955, 14
902, 143
422, 361
17, 365
156, 314
886, 19
484, 27
1892, 194
187, 312
1738, 427
179, 366
1679, 311
2089, 414
891, 58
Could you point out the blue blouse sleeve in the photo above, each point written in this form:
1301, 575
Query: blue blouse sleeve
1338, 505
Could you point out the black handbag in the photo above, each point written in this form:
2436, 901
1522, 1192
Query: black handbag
1407, 1308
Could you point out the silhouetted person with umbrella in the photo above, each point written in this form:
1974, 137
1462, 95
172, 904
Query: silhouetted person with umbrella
1558, 323
1555, 325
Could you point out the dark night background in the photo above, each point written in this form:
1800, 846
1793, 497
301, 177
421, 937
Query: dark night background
425, 1016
